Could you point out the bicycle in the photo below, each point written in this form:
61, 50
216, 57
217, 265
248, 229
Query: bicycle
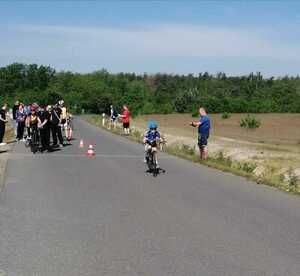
34, 141
151, 159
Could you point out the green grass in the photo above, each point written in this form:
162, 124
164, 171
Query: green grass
225, 115
250, 122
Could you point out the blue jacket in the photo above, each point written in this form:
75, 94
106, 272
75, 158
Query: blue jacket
150, 136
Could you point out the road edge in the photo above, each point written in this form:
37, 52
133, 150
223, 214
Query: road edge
3, 170
213, 163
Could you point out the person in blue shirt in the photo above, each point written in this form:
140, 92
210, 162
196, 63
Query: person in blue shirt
151, 140
203, 126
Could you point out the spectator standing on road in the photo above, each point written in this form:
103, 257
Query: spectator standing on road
14, 116
44, 116
20, 118
56, 127
126, 119
3, 121
63, 117
69, 126
203, 126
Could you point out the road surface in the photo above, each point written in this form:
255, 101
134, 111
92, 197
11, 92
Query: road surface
64, 214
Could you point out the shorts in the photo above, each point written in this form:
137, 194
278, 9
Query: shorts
149, 147
126, 125
202, 141
70, 125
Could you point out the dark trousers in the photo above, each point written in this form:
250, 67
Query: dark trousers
56, 133
2, 131
20, 130
45, 138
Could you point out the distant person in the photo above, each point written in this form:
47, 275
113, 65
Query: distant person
63, 118
203, 126
27, 109
126, 119
14, 115
113, 117
3, 122
20, 118
69, 126
44, 116
103, 119
56, 126
32, 121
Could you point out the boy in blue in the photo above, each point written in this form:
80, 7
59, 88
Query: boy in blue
151, 139
203, 126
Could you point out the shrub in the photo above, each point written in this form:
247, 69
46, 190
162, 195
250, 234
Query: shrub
250, 122
292, 178
225, 115
149, 108
195, 114
247, 167
221, 158
136, 135
188, 150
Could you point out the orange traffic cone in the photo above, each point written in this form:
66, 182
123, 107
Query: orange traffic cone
81, 145
90, 152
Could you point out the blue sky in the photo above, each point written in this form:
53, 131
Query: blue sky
236, 37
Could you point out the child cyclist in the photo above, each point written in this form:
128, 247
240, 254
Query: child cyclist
151, 140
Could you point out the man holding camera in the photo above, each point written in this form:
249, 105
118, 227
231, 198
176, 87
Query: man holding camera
203, 126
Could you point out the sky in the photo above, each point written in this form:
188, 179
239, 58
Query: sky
179, 37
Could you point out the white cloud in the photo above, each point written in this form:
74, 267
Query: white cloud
76, 47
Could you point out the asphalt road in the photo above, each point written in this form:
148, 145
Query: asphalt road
64, 214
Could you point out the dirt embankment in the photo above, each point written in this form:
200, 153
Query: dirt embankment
274, 147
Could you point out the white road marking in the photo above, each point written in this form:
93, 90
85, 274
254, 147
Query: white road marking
117, 156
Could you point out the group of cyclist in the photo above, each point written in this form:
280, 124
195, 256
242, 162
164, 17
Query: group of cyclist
36, 124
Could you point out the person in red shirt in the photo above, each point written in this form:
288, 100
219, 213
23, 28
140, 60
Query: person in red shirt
126, 120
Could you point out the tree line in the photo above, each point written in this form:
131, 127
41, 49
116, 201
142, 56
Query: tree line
147, 94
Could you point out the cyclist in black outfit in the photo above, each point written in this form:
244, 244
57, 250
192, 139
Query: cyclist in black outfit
44, 116
55, 126
3, 121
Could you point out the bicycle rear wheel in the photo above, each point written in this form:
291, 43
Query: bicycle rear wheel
150, 162
154, 165
34, 142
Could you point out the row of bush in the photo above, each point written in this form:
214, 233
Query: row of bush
147, 94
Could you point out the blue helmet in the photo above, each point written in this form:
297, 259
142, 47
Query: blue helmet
152, 125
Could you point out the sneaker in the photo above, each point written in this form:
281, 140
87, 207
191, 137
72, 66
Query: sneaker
3, 144
145, 160
61, 145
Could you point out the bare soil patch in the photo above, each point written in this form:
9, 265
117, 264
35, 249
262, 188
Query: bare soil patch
276, 129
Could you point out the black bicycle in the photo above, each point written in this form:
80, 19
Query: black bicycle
151, 159
34, 141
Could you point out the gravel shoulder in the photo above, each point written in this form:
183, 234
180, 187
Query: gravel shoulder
5, 153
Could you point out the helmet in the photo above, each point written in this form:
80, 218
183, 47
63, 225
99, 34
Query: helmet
152, 125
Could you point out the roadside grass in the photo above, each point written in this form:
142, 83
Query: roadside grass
288, 183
